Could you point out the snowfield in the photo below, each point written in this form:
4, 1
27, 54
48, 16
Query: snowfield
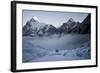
55, 48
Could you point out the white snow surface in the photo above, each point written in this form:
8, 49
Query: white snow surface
36, 19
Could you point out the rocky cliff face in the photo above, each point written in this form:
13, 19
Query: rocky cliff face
84, 27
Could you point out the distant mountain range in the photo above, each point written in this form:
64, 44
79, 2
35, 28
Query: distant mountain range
34, 27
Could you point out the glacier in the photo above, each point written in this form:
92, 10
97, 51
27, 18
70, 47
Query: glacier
55, 48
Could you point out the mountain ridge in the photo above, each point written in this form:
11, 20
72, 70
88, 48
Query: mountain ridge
34, 27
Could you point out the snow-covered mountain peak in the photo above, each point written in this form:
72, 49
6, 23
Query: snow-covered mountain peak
71, 20
34, 18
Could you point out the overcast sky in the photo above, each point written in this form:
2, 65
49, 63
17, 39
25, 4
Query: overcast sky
51, 17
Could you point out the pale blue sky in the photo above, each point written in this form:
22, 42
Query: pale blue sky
51, 17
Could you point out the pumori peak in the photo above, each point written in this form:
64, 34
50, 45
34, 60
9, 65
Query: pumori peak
35, 18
